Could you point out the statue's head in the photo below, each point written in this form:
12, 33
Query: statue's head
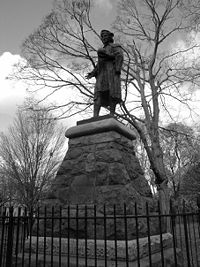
106, 37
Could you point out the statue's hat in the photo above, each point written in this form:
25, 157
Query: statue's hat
108, 32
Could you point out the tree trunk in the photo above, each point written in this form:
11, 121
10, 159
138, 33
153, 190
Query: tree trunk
161, 180
163, 192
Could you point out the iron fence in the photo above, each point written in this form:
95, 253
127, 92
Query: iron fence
105, 236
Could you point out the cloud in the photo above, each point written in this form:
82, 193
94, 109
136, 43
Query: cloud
5, 120
105, 4
7, 60
12, 93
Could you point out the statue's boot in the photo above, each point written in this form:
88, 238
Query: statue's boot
97, 106
112, 108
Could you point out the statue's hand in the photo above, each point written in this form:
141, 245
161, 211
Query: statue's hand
102, 54
101, 51
89, 76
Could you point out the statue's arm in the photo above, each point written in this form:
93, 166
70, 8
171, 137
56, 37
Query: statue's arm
105, 54
93, 73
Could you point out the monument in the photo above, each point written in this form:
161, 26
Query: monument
100, 167
101, 170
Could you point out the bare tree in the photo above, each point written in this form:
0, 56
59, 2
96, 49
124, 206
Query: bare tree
181, 151
30, 154
180, 144
58, 54
7, 191
156, 72
62, 50
191, 9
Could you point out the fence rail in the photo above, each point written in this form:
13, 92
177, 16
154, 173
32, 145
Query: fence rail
109, 236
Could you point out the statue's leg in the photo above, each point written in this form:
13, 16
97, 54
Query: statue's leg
97, 106
112, 107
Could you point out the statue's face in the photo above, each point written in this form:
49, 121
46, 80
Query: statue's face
105, 38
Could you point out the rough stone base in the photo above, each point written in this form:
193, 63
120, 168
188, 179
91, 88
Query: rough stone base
156, 258
156, 261
77, 222
81, 246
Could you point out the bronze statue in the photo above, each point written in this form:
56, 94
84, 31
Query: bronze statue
107, 72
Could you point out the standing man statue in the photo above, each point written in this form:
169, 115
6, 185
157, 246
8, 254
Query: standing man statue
107, 72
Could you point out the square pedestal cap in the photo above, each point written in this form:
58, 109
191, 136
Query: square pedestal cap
99, 125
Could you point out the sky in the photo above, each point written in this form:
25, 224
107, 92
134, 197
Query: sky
18, 19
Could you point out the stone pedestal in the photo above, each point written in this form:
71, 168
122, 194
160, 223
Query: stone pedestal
100, 167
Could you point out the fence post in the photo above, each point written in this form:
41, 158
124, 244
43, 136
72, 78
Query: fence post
173, 229
198, 206
3, 235
9, 249
186, 234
